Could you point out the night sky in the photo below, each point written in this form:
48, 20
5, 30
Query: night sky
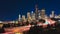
9, 9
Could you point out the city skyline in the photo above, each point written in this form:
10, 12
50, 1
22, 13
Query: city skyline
9, 10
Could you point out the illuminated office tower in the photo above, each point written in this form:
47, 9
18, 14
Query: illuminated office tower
42, 13
39, 15
19, 18
53, 14
36, 11
28, 14
32, 13
23, 18
29, 17
33, 17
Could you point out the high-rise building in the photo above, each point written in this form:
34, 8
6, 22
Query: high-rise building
42, 13
29, 16
53, 14
19, 17
39, 15
36, 11
33, 17
32, 13
23, 18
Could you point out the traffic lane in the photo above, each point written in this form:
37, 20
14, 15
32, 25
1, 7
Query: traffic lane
18, 29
